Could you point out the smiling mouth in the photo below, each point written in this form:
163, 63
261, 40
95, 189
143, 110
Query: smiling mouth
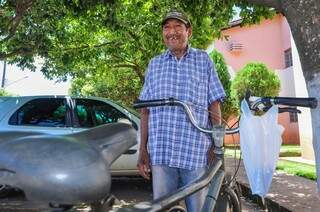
172, 38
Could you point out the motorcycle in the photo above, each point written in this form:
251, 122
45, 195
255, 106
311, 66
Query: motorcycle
63, 170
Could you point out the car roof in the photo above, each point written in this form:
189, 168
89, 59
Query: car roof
26, 98
4, 98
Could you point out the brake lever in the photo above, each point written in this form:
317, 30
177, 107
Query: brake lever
289, 109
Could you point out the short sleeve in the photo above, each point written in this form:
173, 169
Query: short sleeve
215, 88
145, 93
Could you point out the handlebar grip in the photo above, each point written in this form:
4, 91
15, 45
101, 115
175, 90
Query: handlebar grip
299, 102
152, 103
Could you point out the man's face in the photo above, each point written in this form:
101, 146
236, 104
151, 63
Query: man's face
175, 34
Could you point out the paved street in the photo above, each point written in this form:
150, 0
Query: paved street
127, 190
141, 191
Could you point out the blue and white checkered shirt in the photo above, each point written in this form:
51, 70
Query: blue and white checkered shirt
172, 140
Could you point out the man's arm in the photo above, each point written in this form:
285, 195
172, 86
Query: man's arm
215, 113
143, 160
215, 118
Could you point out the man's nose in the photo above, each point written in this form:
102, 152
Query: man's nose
171, 31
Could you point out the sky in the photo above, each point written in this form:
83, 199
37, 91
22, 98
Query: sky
27, 83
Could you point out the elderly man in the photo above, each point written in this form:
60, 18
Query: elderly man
176, 151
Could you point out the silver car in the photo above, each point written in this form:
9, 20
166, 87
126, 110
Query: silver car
66, 114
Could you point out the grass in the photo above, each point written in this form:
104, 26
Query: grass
298, 169
289, 167
290, 151
231, 151
285, 151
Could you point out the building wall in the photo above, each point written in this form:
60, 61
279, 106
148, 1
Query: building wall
305, 125
266, 43
261, 42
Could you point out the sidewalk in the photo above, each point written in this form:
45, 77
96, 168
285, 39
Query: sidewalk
287, 192
299, 160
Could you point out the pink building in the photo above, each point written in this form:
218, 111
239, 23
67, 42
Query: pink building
270, 43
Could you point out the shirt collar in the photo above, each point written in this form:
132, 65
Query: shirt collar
188, 53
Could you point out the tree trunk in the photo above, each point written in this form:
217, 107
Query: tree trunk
303, 17
313, 87
304, 20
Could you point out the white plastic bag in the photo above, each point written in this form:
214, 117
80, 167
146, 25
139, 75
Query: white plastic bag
260, 141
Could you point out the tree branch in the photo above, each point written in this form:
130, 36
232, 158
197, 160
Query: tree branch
20, 51
276, 4
21, 8
125, 66
135, 68
86, 46
136, 39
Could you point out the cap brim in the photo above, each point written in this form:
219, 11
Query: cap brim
175, 17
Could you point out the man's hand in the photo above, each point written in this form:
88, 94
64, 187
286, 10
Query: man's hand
211, 155
144, 164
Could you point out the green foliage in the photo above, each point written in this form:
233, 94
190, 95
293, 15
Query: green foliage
121, 85
116, 70
129, 39
253, 14
3, 92
257, 78
229, 106
39, 28
103, 43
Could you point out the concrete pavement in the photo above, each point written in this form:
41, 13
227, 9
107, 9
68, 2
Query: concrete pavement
287, 192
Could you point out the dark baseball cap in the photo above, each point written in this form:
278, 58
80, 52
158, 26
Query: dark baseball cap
176, 15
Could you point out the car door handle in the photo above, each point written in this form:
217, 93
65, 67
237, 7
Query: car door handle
130, 152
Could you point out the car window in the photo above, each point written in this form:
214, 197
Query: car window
91, 113
45, 112
131, 110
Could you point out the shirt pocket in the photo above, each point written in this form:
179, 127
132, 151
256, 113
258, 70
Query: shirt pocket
197, 90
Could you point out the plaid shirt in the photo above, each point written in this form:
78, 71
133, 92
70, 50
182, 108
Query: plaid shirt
172, 140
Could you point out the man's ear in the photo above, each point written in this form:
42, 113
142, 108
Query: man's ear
189, 32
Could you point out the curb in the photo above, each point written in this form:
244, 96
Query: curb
265, 203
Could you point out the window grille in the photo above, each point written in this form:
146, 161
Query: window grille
293, 117
288, 58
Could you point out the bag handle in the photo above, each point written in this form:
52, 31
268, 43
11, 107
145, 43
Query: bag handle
245, 108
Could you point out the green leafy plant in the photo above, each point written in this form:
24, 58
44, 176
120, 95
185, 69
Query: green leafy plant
3, 92
257, 78
229, 106
83, 39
